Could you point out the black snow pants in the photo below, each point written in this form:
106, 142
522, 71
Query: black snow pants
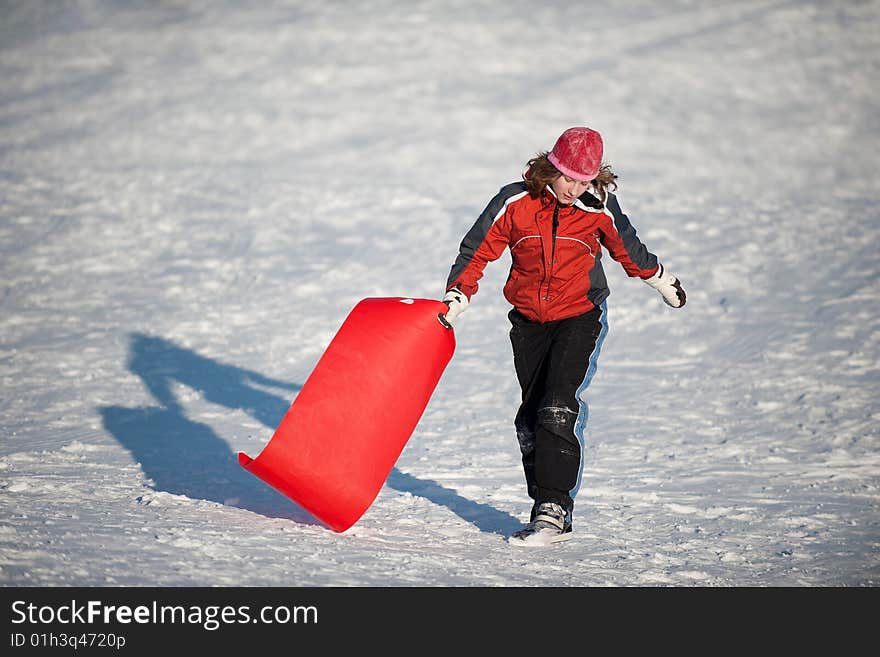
554, 363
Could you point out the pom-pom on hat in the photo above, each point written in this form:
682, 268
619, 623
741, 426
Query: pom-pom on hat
578, 153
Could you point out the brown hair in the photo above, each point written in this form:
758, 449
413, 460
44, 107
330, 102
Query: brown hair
541, 173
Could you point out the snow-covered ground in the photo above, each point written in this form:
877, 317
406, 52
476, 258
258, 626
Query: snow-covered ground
193, 195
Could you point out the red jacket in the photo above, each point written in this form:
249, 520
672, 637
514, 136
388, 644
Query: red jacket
556, 251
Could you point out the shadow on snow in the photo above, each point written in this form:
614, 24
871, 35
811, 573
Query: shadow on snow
186, 457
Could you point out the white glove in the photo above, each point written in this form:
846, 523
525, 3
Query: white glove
457, 302
668, 286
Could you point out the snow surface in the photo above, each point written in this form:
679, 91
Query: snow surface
193, 195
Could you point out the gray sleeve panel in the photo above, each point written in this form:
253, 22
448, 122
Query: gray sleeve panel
598, 291
475, 236
637, 251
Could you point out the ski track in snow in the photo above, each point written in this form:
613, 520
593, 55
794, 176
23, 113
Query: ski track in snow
192, 198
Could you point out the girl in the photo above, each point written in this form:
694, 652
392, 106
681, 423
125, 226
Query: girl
555, 223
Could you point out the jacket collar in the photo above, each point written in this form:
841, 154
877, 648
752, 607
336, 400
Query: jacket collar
588, 201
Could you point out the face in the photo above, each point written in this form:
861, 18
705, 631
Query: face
568, 189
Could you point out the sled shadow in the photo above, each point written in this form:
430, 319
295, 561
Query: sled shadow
486, 518
183, 456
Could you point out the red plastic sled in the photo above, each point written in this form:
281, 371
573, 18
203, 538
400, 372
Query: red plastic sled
346, 428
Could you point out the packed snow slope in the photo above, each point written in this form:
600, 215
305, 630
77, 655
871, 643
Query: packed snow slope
194, 195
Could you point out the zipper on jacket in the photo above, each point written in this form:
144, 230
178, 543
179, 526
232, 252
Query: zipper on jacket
549, 268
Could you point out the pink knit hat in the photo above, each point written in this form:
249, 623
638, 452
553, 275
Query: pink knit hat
578, 153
